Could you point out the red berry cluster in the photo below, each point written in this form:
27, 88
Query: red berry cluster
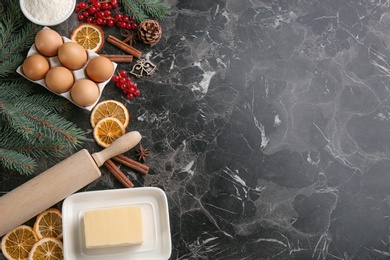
125, 83
100, 12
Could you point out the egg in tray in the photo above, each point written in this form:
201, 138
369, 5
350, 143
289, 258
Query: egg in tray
67, 69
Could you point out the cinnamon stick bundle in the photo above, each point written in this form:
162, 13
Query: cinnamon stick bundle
124, 46
118, 174
118, 57
142, 168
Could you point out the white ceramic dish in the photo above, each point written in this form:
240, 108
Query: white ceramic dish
78, 74
33, 17
155, 218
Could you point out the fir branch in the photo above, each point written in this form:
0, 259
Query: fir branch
19, 91
9, 64
11, 90
16, 35
11, 114
37, 148
50, 102
55, 127
13, 160
29, 125
154, 8
133, 10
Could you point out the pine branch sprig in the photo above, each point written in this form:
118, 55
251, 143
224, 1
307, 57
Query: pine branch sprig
40, 147
11, 90
54, 127
133, 10
30, 125
14, 160
144, 9
15, 36
11, 117
51, 102
154, 8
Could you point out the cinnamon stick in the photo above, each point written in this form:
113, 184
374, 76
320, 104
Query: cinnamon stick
142, 168
118, 57
118, 174
124, 46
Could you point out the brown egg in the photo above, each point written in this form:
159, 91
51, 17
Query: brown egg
84, 92
47, 42
99, 69
35, 67
72, 55
59, 79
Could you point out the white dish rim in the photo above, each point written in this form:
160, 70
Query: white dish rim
43, 23
90, 195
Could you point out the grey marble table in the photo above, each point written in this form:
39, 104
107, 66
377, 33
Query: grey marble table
268, 128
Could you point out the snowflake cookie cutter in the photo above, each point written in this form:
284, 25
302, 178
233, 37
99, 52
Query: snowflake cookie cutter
143, 67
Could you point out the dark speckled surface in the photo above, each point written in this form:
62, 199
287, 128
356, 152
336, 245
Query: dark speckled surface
268, 128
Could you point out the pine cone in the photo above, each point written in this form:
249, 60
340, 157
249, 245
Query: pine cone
149, 31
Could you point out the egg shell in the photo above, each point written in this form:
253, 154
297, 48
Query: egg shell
72, 55
47, 42
59, 79
84, 92
99, 69
35, 67
78, 74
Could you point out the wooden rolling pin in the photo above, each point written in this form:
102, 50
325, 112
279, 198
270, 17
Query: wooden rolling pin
57, 183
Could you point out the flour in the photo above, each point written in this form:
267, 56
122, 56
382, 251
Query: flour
48, 10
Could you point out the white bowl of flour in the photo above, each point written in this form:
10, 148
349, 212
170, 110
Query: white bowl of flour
47, 12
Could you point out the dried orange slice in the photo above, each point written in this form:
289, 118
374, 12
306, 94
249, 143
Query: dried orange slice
110, 108
49, 224
18, 243
47, 248
88, 35
107, 131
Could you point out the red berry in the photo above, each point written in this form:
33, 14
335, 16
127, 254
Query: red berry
118, 16
130, 96
123, 73
97, 5
134, 26
80, 17
92, 10
107, 13
85, 14
90, 20
136, 92
128, 80
99, 21
125, 18
77, 9
82, 5
110, 23
122, 80
104, 6
100, 14
116, 78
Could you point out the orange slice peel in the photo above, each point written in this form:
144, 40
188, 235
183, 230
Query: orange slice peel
107, 130
88, 35
110, 108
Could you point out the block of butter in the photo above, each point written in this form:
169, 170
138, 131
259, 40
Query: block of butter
112, 227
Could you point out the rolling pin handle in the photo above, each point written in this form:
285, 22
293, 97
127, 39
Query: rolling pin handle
119, 146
